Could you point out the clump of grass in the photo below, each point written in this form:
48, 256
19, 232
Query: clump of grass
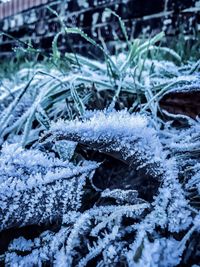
142, 200
135, 79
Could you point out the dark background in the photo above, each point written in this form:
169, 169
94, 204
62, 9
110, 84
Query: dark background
141, 17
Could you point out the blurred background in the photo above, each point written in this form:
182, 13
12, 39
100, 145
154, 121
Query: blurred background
31, 21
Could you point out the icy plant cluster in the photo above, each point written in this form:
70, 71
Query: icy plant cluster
47, 184
94, 171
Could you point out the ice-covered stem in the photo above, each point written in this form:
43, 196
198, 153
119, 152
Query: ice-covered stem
120, 134
36, 188
62, 246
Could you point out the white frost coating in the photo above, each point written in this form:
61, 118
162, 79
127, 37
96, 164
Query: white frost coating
16, 162
102, 124
32, 184
105, 126
151, 254
120, 132
21, 244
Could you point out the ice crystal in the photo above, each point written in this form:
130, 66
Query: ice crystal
36, 188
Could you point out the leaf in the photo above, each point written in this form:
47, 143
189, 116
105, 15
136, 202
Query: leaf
122, 24
65, 149
77, 100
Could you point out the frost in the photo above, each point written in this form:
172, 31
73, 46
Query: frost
160, 253
128, 136
21, 244
62, 246
40, 187
121, 196
53, 181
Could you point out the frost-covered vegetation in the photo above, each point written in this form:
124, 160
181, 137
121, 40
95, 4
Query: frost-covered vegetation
93, 170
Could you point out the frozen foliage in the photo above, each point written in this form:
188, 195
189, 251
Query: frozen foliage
59, 93
106, 188
117, 226
38, 188
138, 145
162, 252
126, 136
63, 246
121, 196
103, 232
41, 250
